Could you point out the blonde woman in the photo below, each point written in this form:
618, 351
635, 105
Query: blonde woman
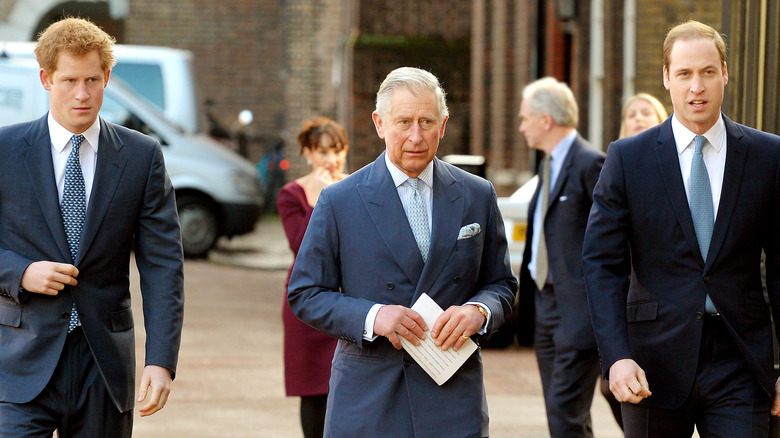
640, 112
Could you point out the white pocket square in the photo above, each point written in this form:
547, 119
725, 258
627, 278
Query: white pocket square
470, 230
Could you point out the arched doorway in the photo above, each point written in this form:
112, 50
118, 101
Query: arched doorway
97, 12
28, 18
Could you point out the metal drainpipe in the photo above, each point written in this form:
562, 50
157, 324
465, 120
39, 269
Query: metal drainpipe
629, 49
596, 85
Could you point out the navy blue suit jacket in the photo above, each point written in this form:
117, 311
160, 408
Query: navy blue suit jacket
359, 250
131, 207
655, 317
564, 229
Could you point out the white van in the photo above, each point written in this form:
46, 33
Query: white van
163, 75
217, 190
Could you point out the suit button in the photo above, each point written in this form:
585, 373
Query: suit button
706, 278
699, 315
456, 279
65, 315
407, 362
390, 285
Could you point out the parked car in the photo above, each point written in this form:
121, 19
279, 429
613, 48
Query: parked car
217, 191
514, 210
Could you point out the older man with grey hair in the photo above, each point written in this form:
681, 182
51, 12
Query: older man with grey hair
551, 271
404, 225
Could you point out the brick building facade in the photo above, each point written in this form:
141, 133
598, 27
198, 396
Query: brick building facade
293, 59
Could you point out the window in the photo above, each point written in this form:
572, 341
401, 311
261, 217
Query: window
146, 79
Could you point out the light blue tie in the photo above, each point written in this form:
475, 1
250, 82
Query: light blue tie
74, 210
702, 210
418, 219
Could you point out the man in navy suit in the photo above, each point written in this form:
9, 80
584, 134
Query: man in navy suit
551, 271
363, 263
77, 194
672, 255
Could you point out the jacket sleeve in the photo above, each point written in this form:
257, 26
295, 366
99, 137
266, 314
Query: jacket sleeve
158, 254
606, 261
314, 291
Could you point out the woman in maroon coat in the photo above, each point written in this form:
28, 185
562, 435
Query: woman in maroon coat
307, 352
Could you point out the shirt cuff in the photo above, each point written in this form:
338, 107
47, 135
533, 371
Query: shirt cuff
368, 327
483, 330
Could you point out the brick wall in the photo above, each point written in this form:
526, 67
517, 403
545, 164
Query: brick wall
654, 19
432, 35
237, 54
315, 35
281, 59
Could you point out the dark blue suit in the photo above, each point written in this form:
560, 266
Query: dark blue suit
656, 317
131, 207
564, 340
359, 250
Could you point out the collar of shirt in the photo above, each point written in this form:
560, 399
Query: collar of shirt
714, 157
61, 147
60, 136
683, 136
558, 154
399, 177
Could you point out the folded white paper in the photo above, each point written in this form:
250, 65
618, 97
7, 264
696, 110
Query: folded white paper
440, 365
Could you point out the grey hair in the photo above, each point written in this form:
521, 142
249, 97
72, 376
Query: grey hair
554, 98
416, 81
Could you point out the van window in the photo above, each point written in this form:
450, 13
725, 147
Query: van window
114, 112
146, 79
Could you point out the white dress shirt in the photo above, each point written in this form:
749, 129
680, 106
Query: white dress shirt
60, 150
714, 156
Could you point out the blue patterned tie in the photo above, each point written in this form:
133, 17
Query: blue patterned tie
418, 219
74, 210
702, 210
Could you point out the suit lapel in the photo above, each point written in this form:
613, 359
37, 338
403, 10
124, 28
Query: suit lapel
380, 197
40, 169
447, 215
108, 172
669, 165
736, 154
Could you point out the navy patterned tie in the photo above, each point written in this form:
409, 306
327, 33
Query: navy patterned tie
418, 219
702, 209
74, 210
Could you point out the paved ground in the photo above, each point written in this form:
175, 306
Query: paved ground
230, 376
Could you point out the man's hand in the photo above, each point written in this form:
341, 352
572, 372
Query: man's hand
776, 404
394, 321
627, 381
49, 278
156, 383
455, 325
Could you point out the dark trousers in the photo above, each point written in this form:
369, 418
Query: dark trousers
726, 401
568, 374
75, 402
313, 409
